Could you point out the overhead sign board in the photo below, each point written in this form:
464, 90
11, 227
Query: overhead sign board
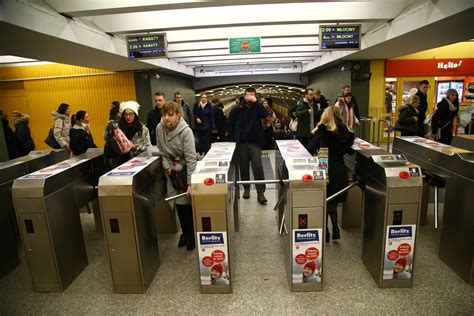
241, 70
244, 45
344, 37
146, 46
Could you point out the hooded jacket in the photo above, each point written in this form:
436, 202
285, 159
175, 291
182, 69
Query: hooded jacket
339, 143
62, 124
80, 139
177, 145
406, 123
23, 133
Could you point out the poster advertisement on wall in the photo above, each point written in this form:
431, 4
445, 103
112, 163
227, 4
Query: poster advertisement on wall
399, 249
213, 258
307, 255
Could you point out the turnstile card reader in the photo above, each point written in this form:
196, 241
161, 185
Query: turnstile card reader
47, 204
464, 142
9, 171
391, 217
213, 200
304, 215
126, 201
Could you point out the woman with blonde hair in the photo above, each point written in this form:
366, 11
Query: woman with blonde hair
333, 134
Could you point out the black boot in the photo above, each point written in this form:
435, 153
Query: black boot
336, 233
182, 237
328, 236
189, 226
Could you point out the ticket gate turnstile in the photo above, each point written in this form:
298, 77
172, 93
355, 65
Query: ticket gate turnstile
391, 217
126, 197
357, 165
304, 213
213, 202
47, 204
464, 142
9, 171
454, 166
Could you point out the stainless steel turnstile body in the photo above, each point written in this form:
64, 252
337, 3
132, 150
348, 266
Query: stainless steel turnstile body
213, 201
357, 165
456, 167
464, 142
391, 216
9, 171
47, 204
127, 198
304, 216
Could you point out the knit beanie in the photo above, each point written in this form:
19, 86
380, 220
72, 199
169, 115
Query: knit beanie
310, 265
218, 267
131, 105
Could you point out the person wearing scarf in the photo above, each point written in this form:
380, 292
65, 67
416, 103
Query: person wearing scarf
80, 137
443, 118
204, 123
349, 111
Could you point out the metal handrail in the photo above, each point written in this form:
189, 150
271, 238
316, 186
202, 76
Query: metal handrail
389, 128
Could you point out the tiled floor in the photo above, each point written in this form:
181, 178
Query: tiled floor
261, 285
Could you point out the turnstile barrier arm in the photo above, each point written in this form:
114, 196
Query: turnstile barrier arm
341, 192
170, 198
435, 207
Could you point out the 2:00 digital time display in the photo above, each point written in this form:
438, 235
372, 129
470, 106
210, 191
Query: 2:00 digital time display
345, 37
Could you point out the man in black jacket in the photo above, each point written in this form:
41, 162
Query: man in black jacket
187, 111
319, 104
246, 130
154, 116
423, 86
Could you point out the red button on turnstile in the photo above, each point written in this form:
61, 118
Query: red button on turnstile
404, 175
307, 178
208, 181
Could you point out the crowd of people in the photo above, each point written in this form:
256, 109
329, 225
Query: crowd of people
184, 133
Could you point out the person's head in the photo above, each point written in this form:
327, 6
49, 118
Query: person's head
16, 115
309, 268
346, 89
64, 109
317, 95
309, 94
160, 99
203, 98
331, 115
452, 95
114, 113
265, 103
171, 113
178, 97
81, 117
423, 86
115, 104
278, 124
348, 97
129, 111
414, 101
250, 92
217, 270
400, 264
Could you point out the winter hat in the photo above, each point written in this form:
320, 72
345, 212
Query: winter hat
311, 265
218, 267
451, 91
402, 261
131, 105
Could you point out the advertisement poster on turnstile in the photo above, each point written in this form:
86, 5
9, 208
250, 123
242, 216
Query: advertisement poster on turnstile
213, 258
399, 249
307, 255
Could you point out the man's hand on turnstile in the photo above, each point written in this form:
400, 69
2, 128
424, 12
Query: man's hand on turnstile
189, 190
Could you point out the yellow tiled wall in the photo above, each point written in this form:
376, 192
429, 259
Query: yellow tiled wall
87, 89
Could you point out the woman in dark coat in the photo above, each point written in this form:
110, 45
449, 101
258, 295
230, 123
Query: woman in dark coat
23, 133
218, 135
80, 137
13, 145
407, 122
443, 118
204, 123
333, 134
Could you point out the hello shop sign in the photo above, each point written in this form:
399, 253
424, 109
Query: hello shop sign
429, 67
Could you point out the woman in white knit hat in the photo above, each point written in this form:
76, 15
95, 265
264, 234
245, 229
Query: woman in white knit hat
135, 131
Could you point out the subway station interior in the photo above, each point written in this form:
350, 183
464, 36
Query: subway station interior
232, 208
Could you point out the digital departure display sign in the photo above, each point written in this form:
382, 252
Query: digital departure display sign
146, 46
333, 37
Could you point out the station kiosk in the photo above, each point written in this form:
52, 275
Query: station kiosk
9, 171
357, 165
213, 201
304, 216
455, 167
47, 204
391, 217
127, 200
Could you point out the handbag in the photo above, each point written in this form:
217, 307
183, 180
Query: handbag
123, 143
293, 126
179, 177
51, 141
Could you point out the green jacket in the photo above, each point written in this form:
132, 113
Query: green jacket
304, 119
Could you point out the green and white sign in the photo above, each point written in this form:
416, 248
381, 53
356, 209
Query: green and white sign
244, 45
